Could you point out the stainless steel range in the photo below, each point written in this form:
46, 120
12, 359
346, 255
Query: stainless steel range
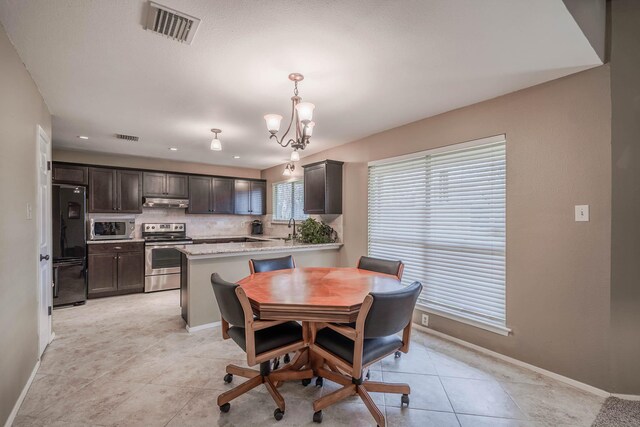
162, 259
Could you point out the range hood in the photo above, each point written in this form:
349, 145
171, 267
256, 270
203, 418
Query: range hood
158, 202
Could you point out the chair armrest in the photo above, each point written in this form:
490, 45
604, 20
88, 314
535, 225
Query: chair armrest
263, 324
343, 330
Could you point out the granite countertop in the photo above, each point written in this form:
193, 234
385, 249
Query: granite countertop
238, 236
213, 249
95, 242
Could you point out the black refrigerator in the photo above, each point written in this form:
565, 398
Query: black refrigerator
69, 245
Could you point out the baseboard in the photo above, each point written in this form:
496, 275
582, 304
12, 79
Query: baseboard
23, 394
201, 327
558, 377
626, 396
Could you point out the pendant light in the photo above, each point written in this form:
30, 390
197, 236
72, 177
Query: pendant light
216, 145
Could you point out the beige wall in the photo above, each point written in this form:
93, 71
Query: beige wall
558, 155
625, 233
149, 163
21, 110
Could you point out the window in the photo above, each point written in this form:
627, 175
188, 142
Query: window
288, 201
442, 213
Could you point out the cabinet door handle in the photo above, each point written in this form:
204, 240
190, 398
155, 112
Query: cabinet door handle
117, 247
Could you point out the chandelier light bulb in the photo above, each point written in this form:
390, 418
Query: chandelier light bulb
288, 169
305, 111
273, 122
295, 156
308, 128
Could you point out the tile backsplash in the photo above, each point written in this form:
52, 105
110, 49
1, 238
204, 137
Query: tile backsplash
199, 225
222, 225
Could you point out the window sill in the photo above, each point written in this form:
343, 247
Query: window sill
497, 329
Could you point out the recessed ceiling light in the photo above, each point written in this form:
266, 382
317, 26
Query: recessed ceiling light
83, 137
173, 149
236, 157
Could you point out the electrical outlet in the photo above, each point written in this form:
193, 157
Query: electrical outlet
425, 320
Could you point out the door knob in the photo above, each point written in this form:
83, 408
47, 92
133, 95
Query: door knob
44, 257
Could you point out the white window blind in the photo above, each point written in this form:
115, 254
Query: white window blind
288, 201
443, 214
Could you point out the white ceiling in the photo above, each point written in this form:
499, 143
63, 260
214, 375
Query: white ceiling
370, 65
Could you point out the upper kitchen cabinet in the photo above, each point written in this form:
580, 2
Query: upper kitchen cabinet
210, 195
223, 195
70, 174
158, 184
250, 197
115, 191
323, 187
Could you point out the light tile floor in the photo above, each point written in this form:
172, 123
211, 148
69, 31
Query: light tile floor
128, 361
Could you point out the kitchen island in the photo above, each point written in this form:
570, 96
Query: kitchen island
231, 261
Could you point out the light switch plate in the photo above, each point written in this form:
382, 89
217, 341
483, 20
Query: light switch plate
582, 213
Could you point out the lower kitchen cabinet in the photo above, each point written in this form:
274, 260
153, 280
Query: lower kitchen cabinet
115, 269
131, 271
103, 274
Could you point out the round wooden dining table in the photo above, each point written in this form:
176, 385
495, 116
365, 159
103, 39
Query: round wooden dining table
314, 294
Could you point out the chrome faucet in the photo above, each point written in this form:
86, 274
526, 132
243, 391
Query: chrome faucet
294, 235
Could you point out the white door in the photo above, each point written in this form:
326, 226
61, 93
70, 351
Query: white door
44, 240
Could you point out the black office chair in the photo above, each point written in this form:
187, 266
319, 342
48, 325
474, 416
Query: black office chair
351, 350
261, 340
394, 268
271, 264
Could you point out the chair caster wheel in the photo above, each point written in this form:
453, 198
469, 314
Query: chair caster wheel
278, 414
225, 407
398, 354
317, 417
228, 378
404, 400
368, 376
319, 382
287, 359
306, 382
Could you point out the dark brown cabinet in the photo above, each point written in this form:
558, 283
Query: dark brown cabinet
199, 194
131, 271
103, 274
70, 174
115, 269
102, 190
323, 187
223, 195
250, 197
210, 195
112, 190
158, 184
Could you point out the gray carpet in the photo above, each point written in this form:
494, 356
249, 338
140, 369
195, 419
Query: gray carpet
618, 413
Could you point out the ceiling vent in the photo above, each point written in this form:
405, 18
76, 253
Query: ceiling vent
171, 23
127, 137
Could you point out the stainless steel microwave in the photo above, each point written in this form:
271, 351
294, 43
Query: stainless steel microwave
111, 228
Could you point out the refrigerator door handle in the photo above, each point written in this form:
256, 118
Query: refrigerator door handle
55, 282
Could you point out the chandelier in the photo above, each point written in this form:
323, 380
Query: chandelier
301, 115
